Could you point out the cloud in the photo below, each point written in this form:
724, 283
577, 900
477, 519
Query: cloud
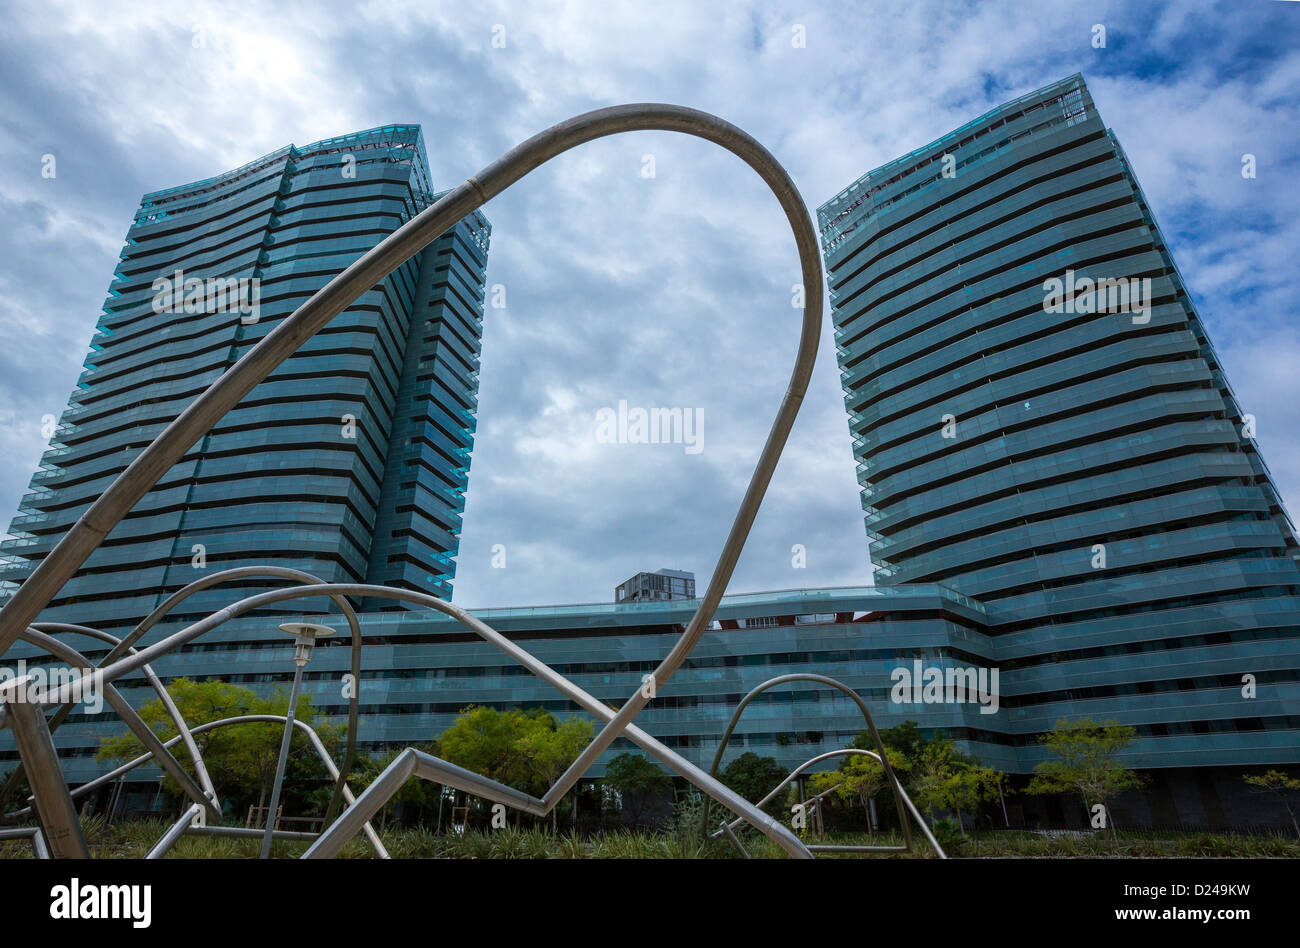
665, 291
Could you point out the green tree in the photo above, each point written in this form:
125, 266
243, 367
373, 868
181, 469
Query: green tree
1086, 763
753, 777
548, 752
414, 795
860, 778
1277, 784
240, 758
487, 741
967, 786
932, 772
635, 780
906, 738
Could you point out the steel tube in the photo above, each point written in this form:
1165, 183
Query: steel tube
248, 832
281, 762
174, 832
33, 835
59, 820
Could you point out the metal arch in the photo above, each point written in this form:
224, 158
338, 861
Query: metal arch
895, 786
728, 827
81, 540
347, 824
123, 645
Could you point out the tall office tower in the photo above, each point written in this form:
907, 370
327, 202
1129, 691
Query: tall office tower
1041, 422
348, 462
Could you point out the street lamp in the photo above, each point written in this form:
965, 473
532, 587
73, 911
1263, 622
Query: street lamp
305, 635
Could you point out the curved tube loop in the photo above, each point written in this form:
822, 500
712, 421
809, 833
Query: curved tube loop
76, 546
895, 786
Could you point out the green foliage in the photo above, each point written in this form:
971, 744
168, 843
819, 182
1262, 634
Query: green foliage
935, 773
753, 777
547, 752
635, 781
1279, 785
951, 835
133, 839
932, 774
967, 786
240, 758
1086, 763
906, 738
527, 750
486, 741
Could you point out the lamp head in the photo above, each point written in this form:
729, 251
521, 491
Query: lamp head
305, 635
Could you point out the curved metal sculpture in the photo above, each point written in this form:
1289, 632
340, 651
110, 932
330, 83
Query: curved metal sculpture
901, 800
728, 828
190, 820
125, 644
50, 794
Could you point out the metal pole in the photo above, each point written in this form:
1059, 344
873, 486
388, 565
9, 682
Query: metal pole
280, 764
54, 806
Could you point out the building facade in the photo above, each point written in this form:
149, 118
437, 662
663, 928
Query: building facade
662, 584
1041, 423
349, 462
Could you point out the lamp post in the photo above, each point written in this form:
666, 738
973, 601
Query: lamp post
305, 635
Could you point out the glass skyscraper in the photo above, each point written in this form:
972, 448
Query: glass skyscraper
1041, 423
350, 461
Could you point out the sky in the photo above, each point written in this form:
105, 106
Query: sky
670, 290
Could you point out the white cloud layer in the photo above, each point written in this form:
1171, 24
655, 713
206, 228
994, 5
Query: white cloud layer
667, 291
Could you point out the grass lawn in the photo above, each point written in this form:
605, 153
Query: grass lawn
133, 839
